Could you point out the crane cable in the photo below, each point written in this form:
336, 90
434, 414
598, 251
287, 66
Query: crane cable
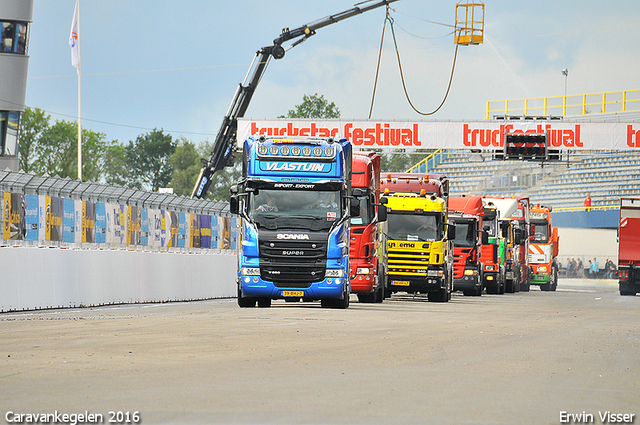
395, 43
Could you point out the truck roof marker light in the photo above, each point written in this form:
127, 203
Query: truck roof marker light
386, 190
388, 177
423, 193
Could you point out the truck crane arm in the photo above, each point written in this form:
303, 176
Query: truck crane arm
223, 148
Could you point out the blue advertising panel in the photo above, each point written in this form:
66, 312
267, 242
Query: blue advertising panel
68, 221
144, 227
182, 230
101, 223
31, 217
215, 239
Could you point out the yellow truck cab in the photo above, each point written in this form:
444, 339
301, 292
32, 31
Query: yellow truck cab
417, 241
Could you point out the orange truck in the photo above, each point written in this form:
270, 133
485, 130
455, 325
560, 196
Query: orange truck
467, 213
366, 276
543, 249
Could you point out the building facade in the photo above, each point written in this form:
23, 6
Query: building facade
15, 22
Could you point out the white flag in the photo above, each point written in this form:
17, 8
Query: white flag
73, 37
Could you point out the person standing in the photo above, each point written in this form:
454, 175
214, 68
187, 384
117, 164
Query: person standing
587, 201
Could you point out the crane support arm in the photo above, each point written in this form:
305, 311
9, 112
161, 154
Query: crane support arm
223, 148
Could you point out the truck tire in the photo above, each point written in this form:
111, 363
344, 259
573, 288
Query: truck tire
380, 293
626, 288
264, 302
509, 286
367, 298
245, 302
554, 278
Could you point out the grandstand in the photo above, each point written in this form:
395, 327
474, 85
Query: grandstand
605, 175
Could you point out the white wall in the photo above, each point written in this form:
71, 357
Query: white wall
587, 244
38, 278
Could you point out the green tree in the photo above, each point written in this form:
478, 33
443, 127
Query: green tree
314, 107
56, 152
34, 123
186, 166
147, 158
116, 170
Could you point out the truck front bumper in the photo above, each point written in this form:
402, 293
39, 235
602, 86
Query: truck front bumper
540, 279
255, 286
399, 283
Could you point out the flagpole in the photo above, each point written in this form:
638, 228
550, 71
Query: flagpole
79, 102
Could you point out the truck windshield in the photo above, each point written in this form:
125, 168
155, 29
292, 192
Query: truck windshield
541, 234
411, 227
294, 209
366, 211
465, 233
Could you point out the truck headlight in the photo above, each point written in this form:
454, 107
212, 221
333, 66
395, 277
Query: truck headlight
469, 272
542, 268
489, 268
334, 273
250, 271
363, 270
434, 273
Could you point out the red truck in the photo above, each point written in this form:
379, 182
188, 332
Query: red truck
629, 246
363, 256
467, 213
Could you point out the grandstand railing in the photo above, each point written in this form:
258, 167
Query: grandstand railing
430, 162
571, 105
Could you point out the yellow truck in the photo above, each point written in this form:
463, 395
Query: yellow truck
417, 240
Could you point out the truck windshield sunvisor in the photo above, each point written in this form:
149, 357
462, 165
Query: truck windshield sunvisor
280, 209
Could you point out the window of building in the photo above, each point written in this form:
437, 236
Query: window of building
14, 37
9, 123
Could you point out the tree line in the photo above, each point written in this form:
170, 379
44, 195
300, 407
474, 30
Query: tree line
153, 160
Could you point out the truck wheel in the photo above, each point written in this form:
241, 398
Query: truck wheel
367, 298
626, 289
509, 289
554, 279
264, 302
245, 302
381, 285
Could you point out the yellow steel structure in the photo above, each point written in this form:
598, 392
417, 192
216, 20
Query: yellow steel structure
579, 104
469, 23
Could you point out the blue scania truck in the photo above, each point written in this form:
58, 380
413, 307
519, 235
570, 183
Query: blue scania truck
295, 202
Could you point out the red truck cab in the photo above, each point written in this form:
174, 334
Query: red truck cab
363, 249
629, 246
467, 213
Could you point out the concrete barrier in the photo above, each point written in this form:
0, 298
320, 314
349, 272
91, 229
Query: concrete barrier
34, 278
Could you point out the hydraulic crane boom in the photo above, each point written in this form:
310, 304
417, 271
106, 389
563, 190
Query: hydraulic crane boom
224, 145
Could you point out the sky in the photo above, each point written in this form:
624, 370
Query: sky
175, 66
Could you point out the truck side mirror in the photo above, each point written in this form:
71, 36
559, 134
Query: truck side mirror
382, 213
532, 231
384, 200
354, 210
451, 231
485, 237
517, 236
234, 204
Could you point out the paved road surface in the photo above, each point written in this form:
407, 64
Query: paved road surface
498, 359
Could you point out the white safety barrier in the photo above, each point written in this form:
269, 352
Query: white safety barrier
34, 278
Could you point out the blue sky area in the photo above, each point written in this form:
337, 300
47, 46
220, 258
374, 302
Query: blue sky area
175, 65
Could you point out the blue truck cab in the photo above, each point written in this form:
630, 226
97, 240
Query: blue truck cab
295, 202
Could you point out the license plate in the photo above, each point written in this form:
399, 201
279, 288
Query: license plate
400, 283
293, 293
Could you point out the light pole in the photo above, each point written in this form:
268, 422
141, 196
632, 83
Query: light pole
565, 72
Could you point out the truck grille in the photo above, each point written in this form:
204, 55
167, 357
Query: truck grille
294, 264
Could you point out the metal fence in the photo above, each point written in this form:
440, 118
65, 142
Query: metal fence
56, 212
